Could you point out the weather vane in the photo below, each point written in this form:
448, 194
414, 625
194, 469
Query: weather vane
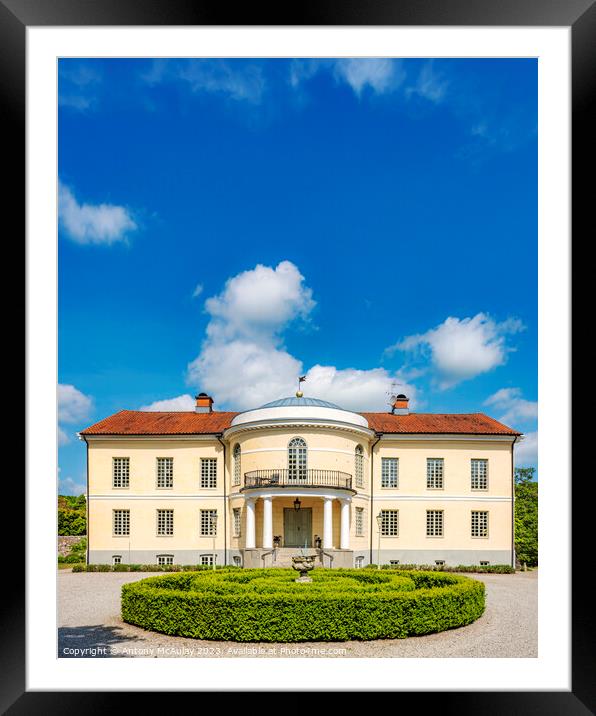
301, 380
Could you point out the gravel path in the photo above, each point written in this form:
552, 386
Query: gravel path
90, 626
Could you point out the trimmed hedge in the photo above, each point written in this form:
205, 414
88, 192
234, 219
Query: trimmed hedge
472, 568
267, 605
146, 567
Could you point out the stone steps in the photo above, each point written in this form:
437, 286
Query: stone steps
282, 557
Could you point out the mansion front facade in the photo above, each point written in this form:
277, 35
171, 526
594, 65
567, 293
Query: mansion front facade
299, 474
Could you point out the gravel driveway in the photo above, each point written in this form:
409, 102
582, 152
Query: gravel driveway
89, 625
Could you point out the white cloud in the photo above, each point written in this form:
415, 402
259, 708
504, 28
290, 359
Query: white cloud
381, 75
92, 224
181, 403
461, 349
68, 486
243, 362
430, 84
259, 302
353, 389
517, 409
77, 85
526, 451
240, 83
198, 290
73, 406
244, 373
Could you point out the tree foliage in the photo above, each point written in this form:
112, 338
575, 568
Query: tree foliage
72, 518
526, 516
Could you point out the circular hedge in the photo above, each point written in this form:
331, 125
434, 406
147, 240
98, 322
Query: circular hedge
267, 605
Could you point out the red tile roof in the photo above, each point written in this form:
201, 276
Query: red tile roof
453, 423
136, 422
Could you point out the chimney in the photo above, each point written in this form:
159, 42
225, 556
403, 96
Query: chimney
204, 403
400, 405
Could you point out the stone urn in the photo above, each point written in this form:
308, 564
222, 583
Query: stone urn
303, 564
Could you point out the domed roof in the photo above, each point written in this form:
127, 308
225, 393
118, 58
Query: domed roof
305, 402
298, 410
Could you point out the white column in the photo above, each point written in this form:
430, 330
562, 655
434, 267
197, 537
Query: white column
328, 523
345, 525
249, 542
267, 522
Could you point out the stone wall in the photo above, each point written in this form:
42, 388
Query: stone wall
66, 543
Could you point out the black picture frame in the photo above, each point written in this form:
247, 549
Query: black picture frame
579, 15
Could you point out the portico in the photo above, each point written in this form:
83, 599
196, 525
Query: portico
296, 517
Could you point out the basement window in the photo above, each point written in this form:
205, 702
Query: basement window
484, 563
439, 562
117, 559
359, 562
208, 559
165, 559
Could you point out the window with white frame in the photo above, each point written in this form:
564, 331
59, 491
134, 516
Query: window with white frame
389, 523
165, 522
237, 465
359, 521
116, 559
484, 563
389, 471
237, 560
479, 523
208, 559
121, 522
434, 473
359, 466
165, 472
359, 562
165, 559
479, 474
297, 459
394, 562
236, 521
208, 472
208, 523
120, 471
434, 523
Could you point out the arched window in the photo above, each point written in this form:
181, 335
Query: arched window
297, 459
237, 465
359, 466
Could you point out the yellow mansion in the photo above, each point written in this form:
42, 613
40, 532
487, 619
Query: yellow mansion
257, 487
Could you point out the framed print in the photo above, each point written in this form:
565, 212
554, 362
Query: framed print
298, 299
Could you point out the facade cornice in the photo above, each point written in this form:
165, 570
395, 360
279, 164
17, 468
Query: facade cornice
202, 437
435, 437
297, 423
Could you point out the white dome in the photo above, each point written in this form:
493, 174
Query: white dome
300, 410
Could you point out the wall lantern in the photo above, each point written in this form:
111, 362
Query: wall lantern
297, 504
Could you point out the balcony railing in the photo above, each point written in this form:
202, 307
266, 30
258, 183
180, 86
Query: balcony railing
298, 478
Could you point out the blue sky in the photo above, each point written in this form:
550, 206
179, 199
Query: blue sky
226, 225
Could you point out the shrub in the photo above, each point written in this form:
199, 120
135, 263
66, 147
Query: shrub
477, 568
268, 605
149, 567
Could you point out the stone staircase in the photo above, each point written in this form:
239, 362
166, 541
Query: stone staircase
282, 556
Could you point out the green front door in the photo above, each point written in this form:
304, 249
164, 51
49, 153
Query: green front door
297, 527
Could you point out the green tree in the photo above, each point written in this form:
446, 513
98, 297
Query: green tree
72, 518
526, 515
